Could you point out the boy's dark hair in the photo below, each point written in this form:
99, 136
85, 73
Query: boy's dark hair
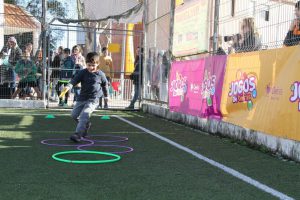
67, 51
92, 57
297, 5
103, 49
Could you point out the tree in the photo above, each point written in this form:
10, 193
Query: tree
89, 27
11, 1
55, 9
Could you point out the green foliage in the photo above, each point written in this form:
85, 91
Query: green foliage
10, 1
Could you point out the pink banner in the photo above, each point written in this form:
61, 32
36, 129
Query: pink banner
195, 86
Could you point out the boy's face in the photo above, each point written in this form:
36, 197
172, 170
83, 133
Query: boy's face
66, 55
92, 67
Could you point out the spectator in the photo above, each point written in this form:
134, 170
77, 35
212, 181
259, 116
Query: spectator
14, 55
249, 39
137, 76
79, 65
67, 71
220, 50
293, 35
106, 66
26, 70
55, 68
28, 48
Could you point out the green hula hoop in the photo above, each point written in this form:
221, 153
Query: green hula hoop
116, 157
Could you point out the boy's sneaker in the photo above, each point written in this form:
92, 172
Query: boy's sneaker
75, 137
88, 126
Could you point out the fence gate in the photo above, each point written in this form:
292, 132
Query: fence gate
121, 41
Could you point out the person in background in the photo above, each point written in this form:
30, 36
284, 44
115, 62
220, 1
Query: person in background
137, 76
14, 55
26, 70
248, 40
79, 61
293, 35
106, 66
66, 73
220, 50
55, 74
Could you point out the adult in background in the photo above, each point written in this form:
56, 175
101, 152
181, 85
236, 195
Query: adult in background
26, 69
137, 76
249, 39
14, 53
55, 65
106, 66
293, 35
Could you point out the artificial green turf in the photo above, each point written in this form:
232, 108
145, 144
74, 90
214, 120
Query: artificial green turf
155, 170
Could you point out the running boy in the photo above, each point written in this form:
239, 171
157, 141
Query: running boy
92, 83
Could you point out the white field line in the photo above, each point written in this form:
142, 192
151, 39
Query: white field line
226, 169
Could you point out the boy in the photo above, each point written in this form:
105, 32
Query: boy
92, 83
67, 71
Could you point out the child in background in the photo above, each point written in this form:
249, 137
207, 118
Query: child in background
66, 73
79, 64
93, 86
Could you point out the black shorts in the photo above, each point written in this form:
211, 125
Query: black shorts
24, 84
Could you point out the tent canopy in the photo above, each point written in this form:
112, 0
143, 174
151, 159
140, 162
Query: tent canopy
95, 9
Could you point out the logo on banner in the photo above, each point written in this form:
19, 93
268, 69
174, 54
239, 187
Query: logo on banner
243, 89
179, 86
295, 88
208, 87
274, 92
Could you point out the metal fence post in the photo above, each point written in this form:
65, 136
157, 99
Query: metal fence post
44, 46
216, 25
172, 19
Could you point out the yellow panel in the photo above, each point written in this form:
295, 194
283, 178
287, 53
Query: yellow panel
179, 2
114, 47
261, 91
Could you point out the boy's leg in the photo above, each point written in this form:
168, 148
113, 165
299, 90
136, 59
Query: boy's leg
77, 110
87, 108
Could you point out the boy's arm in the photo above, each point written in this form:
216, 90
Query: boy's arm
74, 81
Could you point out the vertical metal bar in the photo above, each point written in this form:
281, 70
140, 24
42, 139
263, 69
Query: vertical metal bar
123, 60
172, 19
95, 40
140, 68
48, 69
145, 29
216, 25
44, 46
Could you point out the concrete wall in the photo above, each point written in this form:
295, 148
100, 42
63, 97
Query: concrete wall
285, 147
28, 104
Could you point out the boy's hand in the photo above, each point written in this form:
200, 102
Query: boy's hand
64, 91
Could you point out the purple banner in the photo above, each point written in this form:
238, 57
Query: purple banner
195, 86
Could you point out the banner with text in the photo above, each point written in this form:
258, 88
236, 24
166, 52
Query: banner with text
195, 86
262, 91
190, 28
